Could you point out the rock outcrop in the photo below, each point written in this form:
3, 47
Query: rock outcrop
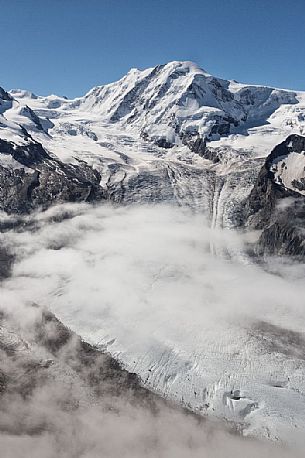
276, 204
37, 180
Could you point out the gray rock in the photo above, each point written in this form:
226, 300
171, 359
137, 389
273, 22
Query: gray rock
282, 225
43, 180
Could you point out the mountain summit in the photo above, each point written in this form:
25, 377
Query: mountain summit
168, 133
168, 102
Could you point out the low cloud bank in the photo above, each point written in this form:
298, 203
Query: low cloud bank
143, 282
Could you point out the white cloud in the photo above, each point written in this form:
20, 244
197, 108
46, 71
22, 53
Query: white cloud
144, 280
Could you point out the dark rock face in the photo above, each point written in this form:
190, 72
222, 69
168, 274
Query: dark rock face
222, 125
294, 143
163, 143
195, 143
6, 100
44, 180
262, 200
199, 146
5, 95
29, 155
27, 111
281, 221
282, 238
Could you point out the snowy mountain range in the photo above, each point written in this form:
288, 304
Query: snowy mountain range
173, 134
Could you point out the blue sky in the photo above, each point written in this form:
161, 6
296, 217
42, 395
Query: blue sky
68, 46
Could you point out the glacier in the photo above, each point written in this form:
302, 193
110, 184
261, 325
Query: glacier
175, 175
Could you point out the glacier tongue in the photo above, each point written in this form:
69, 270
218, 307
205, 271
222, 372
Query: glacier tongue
224, 338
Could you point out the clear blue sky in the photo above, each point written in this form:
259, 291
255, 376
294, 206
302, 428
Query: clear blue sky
68, 46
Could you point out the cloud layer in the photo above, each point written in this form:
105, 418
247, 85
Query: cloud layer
143, 282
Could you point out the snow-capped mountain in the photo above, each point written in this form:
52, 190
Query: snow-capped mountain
172, 101
175, 134
169, 102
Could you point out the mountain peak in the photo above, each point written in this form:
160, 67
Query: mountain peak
21, 93
186, 65
5, 95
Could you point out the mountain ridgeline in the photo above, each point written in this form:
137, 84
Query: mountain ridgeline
171, 133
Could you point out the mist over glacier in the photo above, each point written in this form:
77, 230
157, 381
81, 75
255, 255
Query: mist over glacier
220, 335
152, 229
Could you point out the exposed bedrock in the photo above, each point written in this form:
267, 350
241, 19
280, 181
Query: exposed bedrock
37, 180
276, 204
